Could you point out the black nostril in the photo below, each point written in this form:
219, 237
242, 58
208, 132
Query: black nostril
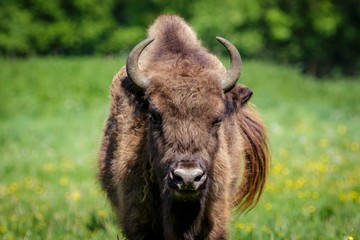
177, 179
198, 178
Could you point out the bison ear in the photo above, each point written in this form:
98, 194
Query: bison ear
239, 95
245, 94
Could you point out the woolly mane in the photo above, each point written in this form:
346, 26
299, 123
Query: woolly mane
176, 46
257, 158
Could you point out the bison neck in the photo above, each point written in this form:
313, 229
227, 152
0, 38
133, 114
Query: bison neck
185, 221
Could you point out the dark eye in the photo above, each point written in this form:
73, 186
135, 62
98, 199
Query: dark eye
155, 118
216, 121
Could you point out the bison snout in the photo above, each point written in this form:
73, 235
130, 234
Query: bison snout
188, 179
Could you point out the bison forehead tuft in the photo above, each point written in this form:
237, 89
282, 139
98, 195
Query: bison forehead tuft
187, 96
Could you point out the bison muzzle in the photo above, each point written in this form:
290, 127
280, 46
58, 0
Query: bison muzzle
182, 145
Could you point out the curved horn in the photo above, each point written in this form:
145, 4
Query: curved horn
233, 73
132, 66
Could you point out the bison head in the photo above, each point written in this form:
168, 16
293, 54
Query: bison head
186, 112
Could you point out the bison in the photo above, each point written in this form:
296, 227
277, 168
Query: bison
182, 145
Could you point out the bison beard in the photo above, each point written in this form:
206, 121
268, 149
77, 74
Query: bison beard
181, 146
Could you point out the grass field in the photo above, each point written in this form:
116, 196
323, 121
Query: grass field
52, 112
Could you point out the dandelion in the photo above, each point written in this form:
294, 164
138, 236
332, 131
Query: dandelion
350, 238
320, 167
301, 194
324, 142
300, 182
249, 227
342, 197
268, 206
3, 229
29, 182
101, 213
75, 196
315, 195
240, 225
39, 216
354, 147
289, 183
67, 164
12, 187
266, 229
353, 195
351, 181
341, 129
277, 169
49, 167
63, 181
39, 189
309, 209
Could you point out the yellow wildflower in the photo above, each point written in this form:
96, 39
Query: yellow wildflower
63, 181
249, 227
268, 206
12, 187
354, 147
266, 229
315, 195
353, 195
40, 189
302, 194
75, 196
240, 225
29, 181
341, 130
277, 169
3, 228
49, 167
300, 182
342, 197
67, 164
323, 142
309, 208
101, 213
39, 216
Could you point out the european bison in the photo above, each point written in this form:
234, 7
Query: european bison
181, 145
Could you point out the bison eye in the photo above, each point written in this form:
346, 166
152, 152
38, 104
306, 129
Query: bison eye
155, 118
216, 121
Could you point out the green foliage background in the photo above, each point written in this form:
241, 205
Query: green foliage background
321, 36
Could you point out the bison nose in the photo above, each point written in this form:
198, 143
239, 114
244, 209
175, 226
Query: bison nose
188, 178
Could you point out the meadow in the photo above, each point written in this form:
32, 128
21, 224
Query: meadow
52, 112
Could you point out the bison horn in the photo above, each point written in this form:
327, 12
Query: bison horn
233, 73
132, 66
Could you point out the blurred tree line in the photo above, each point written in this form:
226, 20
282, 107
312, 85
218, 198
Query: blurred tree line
322, 36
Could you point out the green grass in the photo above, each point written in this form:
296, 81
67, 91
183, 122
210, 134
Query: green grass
52, 112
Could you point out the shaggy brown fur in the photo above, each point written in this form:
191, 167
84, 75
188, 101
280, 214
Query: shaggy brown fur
183, 116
